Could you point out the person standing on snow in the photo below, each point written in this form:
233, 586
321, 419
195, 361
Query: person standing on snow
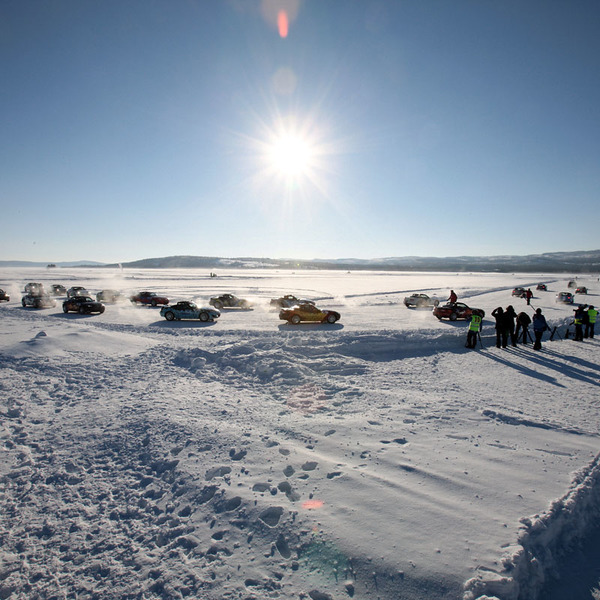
592, 314
474, 329
453, 297
539, 326
528, 296
523, 322
501, 327
511, 315
578, 322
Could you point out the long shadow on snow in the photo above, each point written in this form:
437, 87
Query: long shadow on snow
549, 363
525, 370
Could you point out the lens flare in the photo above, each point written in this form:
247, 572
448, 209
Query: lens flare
312, 504
283, 24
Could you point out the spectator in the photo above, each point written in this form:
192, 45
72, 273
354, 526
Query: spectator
523, 322
539, 326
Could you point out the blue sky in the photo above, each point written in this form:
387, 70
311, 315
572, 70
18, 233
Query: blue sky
140, 128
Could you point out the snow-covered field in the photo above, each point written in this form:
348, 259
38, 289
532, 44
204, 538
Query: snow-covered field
375, 458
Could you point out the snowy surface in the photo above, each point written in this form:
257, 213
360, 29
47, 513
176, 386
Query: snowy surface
248, 458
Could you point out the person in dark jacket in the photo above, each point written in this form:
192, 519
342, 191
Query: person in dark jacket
539, 326
511, 315
502, 327
453, 297
578, 320
523, 322
528, 296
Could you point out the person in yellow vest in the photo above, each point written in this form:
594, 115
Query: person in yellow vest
592, 314
474, 329
578, 322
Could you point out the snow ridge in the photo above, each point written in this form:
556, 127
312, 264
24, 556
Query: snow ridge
543, 540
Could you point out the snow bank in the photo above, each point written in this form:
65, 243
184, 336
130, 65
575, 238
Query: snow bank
543, 541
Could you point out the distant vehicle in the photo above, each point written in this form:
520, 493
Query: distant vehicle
83, 305
288, 300
519, 292
308, 312
4, 297
34, 288
420, 301
542, 287
58, 290
572, 283
38, 301
110, 296
456, 310
228, 301
581, 290
148, 298
77, 290
564, 297
188, 310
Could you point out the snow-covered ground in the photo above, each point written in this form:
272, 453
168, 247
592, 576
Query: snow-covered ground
252, 459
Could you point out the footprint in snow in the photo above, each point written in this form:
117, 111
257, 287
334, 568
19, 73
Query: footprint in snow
310, 465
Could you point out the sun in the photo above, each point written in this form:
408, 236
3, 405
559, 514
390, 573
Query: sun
290, 155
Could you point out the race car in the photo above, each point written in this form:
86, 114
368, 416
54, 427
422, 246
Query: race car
77, 290
456, 310
83, 305
58, 290
308, 312
519, 292
564, 297
111, 296
4, 297
542, 287
420, 301
572, 283
228, 301
38, 301
148, 298
288, 300
34, 288
188, 310
581, 290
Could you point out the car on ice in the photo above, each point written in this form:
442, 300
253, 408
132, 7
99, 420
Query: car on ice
564, 297
150, 298
38, 301
110, 296
4, 297
77, 290
308, 312
56, 289
228, 301
84, 305
519, 292
572, 283
188, 310
581, 290
288, 301
542, 287
420, 301
34, 288
456, 310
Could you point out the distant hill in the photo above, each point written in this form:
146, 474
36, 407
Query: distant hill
558, 262
585, 261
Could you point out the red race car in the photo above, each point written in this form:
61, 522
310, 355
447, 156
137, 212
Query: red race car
148, 298
456, 310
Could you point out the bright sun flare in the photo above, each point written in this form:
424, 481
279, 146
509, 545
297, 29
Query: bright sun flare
290, 155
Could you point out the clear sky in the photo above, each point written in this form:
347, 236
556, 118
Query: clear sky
323, 128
